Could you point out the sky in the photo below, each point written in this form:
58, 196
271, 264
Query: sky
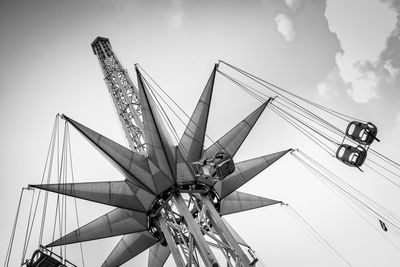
343, 54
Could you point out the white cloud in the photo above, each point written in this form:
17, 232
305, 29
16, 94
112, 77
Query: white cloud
364, 88
285, 27
325, 90
362, 39
393, 72
329, 87
293, 4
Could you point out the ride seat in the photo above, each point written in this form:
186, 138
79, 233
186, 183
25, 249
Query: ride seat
362, 133
217, 167
41, 259
352, 156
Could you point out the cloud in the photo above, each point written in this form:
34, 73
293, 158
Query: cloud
330, 87
293, 4
364, 88
285, 27
362, 40
393, 72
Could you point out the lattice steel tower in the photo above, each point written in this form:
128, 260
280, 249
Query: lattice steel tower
174, 195
123, 93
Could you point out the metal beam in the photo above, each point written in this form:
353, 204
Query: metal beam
171, 242
224, 232
194, 229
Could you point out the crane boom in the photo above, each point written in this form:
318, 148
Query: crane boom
124, 94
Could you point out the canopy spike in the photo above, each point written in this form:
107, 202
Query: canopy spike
159, 146
134, 166
128, 247
192, 140
238, 202
245, 171
116, 222
234, 138
158, 255
120, 194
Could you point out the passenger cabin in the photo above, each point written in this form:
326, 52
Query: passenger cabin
217, 168
46, 258
362, 133
352, 156
41, 259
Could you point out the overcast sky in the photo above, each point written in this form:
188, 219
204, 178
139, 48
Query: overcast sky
344, 54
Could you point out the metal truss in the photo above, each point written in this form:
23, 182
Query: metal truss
194, 230
124, 94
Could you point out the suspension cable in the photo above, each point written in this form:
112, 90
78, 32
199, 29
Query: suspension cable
292, 119
315, 233
11, 242
391, 162
30, 224
73, 190
52, 144
299, 110
172, 110
264, 83
347, 185
64, 197
377, 210
258, 94
314, 139
27, 235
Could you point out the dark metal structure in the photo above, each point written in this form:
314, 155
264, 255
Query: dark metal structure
174, 195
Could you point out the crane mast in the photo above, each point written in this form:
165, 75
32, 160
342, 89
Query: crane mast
123, 92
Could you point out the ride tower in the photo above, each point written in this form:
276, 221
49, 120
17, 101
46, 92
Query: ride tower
174, 195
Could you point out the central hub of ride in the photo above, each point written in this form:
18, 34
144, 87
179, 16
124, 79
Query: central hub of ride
165, 205
207, 171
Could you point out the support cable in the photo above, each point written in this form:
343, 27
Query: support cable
176, 105
260, 94
59, 206
383, 167
11, 242
308, 126
350, 188
27, 234
73, 190
161, 110
30, 224
391, 162
293, 120
305, 132
382, 213
383, 176
264, 83
52, 145
65, 176
315, 233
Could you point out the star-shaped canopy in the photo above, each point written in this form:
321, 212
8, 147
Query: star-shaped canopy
149, 178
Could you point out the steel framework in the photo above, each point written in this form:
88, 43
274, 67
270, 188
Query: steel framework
123, 92
174, 195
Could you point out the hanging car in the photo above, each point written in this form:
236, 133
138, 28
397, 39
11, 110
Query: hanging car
352, 156
383, 226
362, 133
43, 257
217, 167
